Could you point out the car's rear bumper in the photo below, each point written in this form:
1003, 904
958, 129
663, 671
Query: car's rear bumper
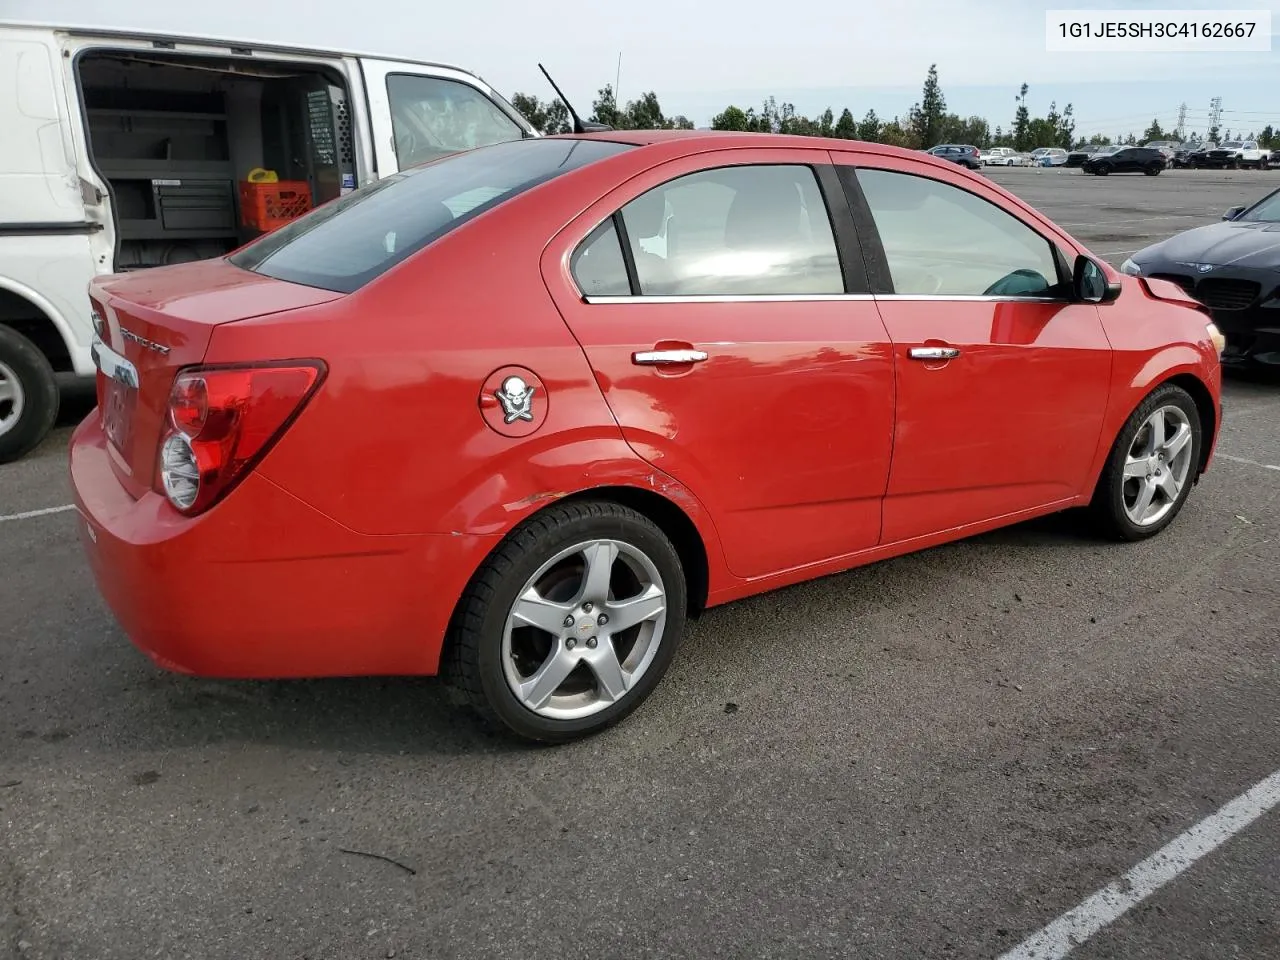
263, 585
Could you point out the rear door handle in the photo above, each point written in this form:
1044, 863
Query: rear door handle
667, 357
934, 353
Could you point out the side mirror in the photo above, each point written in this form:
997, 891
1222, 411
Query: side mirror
1090, 284
1233, 213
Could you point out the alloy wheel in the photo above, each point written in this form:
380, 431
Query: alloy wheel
1157, 465
12, 399
584, 629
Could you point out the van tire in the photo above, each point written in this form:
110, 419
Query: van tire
40, 398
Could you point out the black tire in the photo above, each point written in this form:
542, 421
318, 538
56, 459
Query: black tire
1102, 171
1107, 505
40, 398
1151, 171
473, 651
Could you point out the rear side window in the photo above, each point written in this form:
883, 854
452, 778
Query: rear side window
344, 244
734, 231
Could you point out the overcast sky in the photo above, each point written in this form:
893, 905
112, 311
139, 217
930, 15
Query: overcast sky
699, 55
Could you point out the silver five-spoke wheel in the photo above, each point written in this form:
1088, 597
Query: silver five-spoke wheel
584, 629
12, 398
1157, 465
571, 622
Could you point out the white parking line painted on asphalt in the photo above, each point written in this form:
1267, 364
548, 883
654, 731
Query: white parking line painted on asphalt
1252, 463
1111, 902
30, 514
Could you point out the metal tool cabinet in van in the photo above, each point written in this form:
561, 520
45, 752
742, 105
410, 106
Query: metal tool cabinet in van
125, 151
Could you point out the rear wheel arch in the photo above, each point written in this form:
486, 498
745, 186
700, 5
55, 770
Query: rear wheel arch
674, 522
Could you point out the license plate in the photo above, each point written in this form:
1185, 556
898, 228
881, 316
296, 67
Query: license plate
117, 413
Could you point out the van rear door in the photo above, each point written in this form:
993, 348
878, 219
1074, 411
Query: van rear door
418, 113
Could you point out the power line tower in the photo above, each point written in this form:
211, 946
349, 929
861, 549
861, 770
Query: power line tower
1182, 121
1215, 113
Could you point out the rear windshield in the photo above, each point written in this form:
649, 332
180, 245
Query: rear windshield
346, 243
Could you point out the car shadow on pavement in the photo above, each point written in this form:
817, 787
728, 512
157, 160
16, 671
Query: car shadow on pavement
359, 715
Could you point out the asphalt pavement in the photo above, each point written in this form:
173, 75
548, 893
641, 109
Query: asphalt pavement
934, 756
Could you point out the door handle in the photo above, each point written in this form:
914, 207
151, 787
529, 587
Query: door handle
667, 357
934, 353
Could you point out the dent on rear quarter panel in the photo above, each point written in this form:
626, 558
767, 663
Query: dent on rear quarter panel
395, 442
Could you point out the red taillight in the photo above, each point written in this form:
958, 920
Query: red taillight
222, 421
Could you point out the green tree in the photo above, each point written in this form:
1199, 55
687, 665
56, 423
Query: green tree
1100, 140
1066, 127
896, 134
1022, 121
548, 117
1153, 132
1268, 137
870, 127
645, 114
927, 118
979, 132
605, 109
731, 118
827, 123
846, 126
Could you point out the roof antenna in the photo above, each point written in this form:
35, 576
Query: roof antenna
579, 126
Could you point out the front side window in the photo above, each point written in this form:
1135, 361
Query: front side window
940, 240
344, 244
734, 231
432, 116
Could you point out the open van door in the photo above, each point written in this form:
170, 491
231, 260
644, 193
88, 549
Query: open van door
417, 114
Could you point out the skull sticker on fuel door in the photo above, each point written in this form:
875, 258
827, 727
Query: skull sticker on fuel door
514, 401
516, 398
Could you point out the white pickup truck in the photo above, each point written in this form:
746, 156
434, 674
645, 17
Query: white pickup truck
1234, 154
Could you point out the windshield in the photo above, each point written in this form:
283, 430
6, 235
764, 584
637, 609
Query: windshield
1266, 211
346, 243
1232, 144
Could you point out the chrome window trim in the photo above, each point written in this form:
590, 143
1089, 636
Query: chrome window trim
112, 365
822, 297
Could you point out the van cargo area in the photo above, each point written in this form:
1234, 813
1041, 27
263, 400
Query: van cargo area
175, 138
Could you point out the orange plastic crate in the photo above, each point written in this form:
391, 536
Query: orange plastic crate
265, 206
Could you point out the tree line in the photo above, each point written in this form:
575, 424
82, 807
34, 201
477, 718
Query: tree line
927, 124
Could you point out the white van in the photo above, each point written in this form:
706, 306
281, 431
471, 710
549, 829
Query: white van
122, 151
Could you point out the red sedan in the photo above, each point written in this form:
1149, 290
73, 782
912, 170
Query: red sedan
515, 415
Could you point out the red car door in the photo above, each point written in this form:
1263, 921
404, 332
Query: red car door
711, 300
1002, 379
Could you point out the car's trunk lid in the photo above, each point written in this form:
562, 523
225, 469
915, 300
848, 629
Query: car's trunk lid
158, 322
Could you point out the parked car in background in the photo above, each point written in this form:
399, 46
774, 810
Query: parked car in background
1183, 152
618, 440
1049, 156
964, 154
1127, 160
126, 151
1233, 268
1082, 153
1004, 157
1233, 155
1166, 147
